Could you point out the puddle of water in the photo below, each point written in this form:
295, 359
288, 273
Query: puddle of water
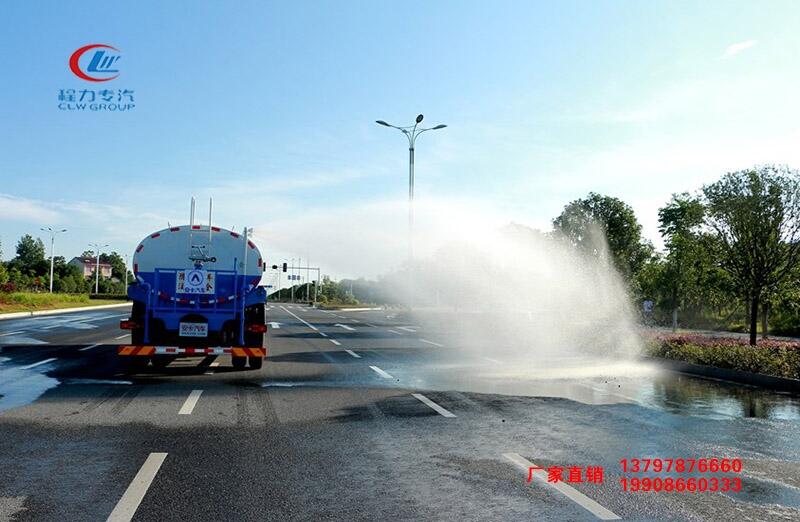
95, 381
606, 382
19, 387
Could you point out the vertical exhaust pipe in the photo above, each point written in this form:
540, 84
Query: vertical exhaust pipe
210, 205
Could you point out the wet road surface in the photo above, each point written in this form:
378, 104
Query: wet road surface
362, 415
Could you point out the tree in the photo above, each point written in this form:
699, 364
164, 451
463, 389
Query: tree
679, 223
579, 222
117, 264
30, 258
755, 215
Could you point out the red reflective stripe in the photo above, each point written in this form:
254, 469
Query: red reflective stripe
251, 244
195, 227
259, 261
155, 235
174, 229
139, 248
215, 229
234, 234
135, 267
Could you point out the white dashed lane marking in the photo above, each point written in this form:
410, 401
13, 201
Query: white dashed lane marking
568, 491
354, 354
191, 402
435, 407
129, 503
34, 365
431, 342
381, 372
300, 319
334, 341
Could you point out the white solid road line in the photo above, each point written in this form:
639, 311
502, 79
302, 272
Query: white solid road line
354, 354
350, 328
122, 336
129, 503
334, 341
563, 488
11, 333
431, 342
191, 402
435, 407
301, 320
34, 365
89, 347
381, 372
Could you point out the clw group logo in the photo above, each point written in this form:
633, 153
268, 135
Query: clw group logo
95, 63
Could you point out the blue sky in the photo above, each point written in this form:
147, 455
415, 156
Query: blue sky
269, 107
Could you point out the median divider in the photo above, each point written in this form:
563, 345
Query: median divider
35, 313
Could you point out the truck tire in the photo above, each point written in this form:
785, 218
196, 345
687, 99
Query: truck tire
239, 362
256, 362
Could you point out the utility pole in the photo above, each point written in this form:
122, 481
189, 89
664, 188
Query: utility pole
291, 276
52, 249
97, 249
411, 132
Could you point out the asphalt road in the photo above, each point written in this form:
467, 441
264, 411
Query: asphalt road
365, 415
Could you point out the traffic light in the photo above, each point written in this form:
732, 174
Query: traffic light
285, 267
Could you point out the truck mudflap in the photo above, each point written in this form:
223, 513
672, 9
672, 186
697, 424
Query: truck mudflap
236, 351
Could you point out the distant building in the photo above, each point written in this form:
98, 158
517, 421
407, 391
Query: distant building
87, 266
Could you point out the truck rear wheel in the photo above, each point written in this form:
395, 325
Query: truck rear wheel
256, 362
239, 362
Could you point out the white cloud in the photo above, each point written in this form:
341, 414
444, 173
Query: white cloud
737, 48
21, 209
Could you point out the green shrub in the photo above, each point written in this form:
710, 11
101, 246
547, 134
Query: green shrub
778, 358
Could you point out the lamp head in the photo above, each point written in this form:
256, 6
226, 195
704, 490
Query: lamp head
419, 118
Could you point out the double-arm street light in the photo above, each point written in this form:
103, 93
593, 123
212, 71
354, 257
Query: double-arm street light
97, 248
52, 247
411, 132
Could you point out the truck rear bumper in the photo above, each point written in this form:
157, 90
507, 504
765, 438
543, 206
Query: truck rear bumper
236, 351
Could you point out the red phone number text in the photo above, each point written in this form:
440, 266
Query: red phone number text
681, 484
711, 465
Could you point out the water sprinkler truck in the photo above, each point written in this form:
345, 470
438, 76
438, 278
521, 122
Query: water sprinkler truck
196, 294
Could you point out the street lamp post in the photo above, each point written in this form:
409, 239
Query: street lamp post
97, 248
411, 132
52, 248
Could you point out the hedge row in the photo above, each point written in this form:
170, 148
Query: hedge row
779, 358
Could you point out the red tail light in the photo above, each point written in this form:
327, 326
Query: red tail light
257, 328
128, 325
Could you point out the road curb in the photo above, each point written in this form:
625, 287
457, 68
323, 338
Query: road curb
726, 374
20, 315
345, 309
